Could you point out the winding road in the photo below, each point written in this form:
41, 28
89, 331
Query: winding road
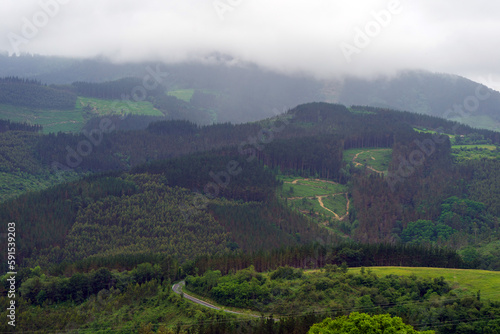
177, 288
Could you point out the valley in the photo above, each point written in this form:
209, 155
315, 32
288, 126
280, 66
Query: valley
249, 167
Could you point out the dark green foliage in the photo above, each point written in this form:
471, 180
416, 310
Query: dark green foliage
27, 93
322, 290
145, 272
129, 122
424, 303
484, 183
425, 231
272, 224
240, 290
412, 192
179, 127
119, 89
318, 256
123, 306
363, 323
17, 152
319, 156
287, 272
43, 220
472, 139
7, 125
464, 214
147, 221
216, 175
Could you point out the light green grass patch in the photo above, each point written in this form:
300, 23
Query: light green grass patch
51, 120
303, 196
467, 279
100, 107
310, 188
337, 204
309, 205
376, 158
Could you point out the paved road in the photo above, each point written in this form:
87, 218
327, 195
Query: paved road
177, 288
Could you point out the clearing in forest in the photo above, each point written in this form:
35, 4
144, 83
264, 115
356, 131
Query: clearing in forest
375, 159
322, 199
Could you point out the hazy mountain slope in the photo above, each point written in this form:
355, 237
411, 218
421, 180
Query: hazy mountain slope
428, 93
245, 92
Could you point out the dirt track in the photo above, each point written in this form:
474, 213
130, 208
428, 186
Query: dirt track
320, 198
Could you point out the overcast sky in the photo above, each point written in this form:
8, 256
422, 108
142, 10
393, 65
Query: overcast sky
324, 38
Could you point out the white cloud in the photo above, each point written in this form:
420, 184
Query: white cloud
285, 35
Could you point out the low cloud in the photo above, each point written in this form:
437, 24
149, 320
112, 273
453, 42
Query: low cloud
288, 36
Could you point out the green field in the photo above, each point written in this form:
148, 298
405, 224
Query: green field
307, 195
54, 121
467, 279
100, 107
337, 204
309, 188
376, 158
51, 120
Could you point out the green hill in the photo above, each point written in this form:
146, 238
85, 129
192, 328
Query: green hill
313, 141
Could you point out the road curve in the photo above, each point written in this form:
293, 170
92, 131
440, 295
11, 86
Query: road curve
177, 288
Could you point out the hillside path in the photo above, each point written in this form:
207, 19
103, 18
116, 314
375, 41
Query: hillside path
360, 164
320, 200
320, 197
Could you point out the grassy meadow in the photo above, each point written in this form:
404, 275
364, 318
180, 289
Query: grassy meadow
467, 279
376, 158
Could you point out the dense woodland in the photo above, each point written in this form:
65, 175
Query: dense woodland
31, 93
307, 141
6, 125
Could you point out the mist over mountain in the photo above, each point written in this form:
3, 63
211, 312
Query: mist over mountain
246, 92
294, 165
443, 95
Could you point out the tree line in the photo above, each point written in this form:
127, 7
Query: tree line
32, 94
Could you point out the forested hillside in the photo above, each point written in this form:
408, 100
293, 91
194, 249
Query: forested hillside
31, 93
191, 199
308, 141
